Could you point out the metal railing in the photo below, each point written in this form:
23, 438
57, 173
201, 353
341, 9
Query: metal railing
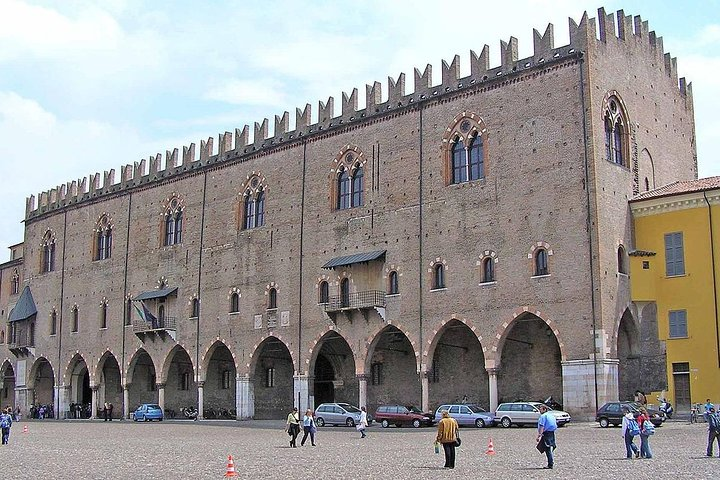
356, 301
20, 343
165, 323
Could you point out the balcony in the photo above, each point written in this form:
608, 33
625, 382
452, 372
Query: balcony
160, 328
21, 348
361, 301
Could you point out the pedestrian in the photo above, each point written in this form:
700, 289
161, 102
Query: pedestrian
713, 419
363, 422
630, 428
105, 411
309, 428
547, 424
640, 397
708, 406
110, 409
645, 451
41, 412
293, 426
448, 436
5, 423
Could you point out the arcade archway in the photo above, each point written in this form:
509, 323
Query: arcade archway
392, 370
333, 370
273, 379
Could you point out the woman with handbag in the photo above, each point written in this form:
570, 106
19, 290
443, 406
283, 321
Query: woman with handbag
309, 427
293, 426
448, 436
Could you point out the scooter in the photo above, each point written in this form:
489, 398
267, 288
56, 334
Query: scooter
190, 413
550, 402
666, 408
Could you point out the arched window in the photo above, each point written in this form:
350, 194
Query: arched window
393, 287
272, 299
616, 132
161, 315
459, 162
439, 276
324, 292
31, 335
647, 184
2, 336
260, 209
173, 223
103, 238
103, 315
128, 311
345, 292
53, 323
234, 302
48, 252
488, 270
541, 262
75, 320
254, 210
195, 310
349, 188
465, 149
15, 282
476, 165
621, 260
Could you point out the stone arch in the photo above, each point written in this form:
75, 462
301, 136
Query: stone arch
179, 375
132, 363
141, 379
454, 364
505, 327
218, 370
41, 380
207, 356
252, 363
167, 362
7, 384
627, 348
332, 365
374, 337
34, 372
108, 379
646, 169
272, 369
77, 377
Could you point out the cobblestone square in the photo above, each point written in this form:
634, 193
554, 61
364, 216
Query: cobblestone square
173, 450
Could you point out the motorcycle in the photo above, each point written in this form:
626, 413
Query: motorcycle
666, 408
191, 413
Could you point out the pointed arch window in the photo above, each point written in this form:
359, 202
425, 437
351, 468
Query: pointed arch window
53, 323
345, 292
173, 223
234, 302
195, 308
103, 238
75, 320
272, 299
15, 282
438, 276
254, 210
622, 260
31, 334
103, 315
616, 132
324, 293
349, 182
488, 270
541, 262
48, 252
128, 311
393, 286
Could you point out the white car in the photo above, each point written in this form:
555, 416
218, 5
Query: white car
525, 413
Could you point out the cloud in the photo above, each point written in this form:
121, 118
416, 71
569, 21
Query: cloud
247, 92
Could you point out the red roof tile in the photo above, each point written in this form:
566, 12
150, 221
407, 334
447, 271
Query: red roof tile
677, 188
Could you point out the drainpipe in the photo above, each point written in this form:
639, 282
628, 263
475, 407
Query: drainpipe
300, 293
123, 379
197, 325
588, 223
712, 267
58, 402
423, 383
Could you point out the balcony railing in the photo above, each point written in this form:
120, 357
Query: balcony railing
161, 324
356, 301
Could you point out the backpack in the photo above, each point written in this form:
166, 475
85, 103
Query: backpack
648, 428
633, 428
4, 421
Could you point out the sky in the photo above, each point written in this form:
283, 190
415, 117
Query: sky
87, 86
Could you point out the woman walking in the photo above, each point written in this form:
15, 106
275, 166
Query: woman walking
447, 435
630, 428
309, 427
293, 426
645, 451
363, 422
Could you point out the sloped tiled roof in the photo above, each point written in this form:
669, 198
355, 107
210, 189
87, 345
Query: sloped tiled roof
356, 258
675, 188
25, 307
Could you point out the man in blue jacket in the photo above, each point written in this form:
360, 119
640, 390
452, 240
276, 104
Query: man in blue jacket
547, 424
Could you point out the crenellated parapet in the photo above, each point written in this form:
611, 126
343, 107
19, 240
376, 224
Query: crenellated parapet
589, 33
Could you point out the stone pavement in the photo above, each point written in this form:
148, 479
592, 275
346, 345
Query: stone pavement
199, 450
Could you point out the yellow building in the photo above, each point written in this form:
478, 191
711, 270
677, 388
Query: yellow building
675, 268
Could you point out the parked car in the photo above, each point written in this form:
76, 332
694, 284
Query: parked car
338, 414
525, 413
148, 412
400, 415
611, 413
467, 414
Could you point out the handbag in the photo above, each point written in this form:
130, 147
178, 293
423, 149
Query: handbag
458, 440
541, 446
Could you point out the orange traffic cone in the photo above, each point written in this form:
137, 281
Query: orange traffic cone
231, 468
25, 429
491, 448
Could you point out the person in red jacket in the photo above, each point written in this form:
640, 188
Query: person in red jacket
645, 451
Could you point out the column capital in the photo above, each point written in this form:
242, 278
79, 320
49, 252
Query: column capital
160, 386
493, 370
126, 386
363, 377
201, 384
94, 388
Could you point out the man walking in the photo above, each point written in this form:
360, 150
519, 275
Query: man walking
713, 420
547, 424
5, 424
448, 435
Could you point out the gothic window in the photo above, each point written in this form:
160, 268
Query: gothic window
226, 379
345, 292
621, 260
324, 292
272, 299
128, 311
161, 315
75, 320
393, 287
234, 302
48, 252
15, 283
173, 222
195, 308
270, 377
541, 262
488, 270
647, 184
31, 335
103, 238
465, 149
2, 336
184, 381
53, 323
438, 276
253, 206
349, 181
376, 374
103, 315
616, 132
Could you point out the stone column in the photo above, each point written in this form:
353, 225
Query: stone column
362, 389
126, 400
244, 398
301, 392
579, 380
492, 384
161, 395
62, 394
201, 400
424, 391
94, 404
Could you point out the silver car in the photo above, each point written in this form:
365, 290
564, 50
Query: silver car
337, 414
467, 414
525, 413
